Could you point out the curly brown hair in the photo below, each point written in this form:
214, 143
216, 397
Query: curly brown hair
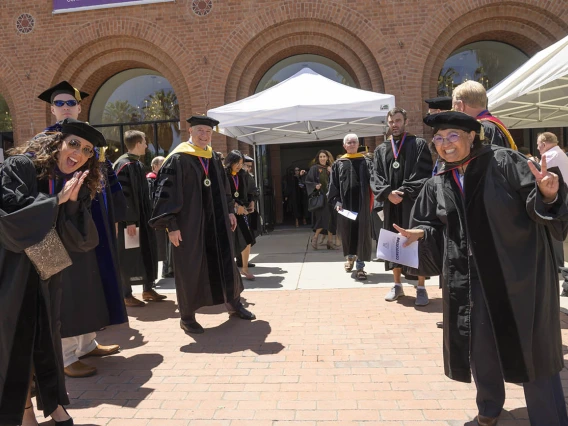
45, 152
329, 161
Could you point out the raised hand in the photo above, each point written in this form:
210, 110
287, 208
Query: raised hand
411, 235
81, 176
67, 189
548, 183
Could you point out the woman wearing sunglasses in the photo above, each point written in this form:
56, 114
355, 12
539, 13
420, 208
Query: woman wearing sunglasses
45, 184
491, 215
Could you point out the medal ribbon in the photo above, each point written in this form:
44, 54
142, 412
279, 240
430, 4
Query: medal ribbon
394, 150
236, 182
205, 165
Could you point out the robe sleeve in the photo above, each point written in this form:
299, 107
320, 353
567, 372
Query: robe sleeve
421, 172
312, 179
379, 183
75, 224
168, 196
493, 135
554, 216
26, 216
132, 213
333, 190
118, 198
423, 216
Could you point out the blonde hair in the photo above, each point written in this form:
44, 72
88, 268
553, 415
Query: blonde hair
548, 137
471, 93
157, 162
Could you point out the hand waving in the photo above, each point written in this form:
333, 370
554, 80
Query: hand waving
547, 182
411, 235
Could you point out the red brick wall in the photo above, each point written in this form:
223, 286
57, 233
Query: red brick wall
393, 47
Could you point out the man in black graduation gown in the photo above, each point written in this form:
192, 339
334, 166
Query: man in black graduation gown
349, 189
97, 302
138, 265
194, 204
401, 167
470, 97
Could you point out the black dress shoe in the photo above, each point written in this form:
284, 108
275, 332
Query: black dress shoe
68, 422
242, 313
191, 327
240, 264
440, 324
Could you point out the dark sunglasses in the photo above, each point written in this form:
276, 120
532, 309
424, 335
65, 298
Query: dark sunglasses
76, 145
71, 103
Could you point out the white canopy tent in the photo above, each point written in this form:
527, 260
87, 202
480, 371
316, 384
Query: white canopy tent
536, 94
306, 107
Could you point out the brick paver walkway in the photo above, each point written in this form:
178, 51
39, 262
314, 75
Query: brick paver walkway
325, 350
312, 358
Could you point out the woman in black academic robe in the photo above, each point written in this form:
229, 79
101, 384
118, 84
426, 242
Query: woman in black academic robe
317, 180
244, 237
486, 220
47, 183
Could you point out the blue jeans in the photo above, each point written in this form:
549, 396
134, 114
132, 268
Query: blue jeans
359, 264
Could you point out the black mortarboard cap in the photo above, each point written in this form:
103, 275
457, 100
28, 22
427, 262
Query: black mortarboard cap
196, 120
452, 120
443, 102
248, 159
59, 88
80, 128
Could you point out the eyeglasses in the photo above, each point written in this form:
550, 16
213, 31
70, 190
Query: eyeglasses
76, 145
452, 138
70, 102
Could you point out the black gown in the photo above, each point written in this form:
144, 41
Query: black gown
137, 265
205, 270
243, 234
29, 307
415, 168
98, 301
502, 221
323, 218
349, 185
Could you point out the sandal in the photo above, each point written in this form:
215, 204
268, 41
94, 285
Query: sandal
315, 244
361, 275
349, 265
331, 246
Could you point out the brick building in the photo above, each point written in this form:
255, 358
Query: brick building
213, 52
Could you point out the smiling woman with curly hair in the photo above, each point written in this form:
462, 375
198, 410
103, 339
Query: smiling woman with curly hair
46, 184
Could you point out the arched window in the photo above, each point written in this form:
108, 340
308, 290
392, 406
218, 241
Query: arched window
487, 62
5, 117
290, 66
137, 99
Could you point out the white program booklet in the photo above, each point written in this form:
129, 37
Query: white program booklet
348, 214
131, 242
390, 247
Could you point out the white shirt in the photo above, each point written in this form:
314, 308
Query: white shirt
555, 157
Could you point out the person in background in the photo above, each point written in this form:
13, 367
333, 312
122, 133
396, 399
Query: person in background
527, 153
295, 195
401, 166
244, 238
195, 205
500, 283
470, 97
317, 180
547, 145
47, 183
164, 247
138, 265
98, 301
349, 188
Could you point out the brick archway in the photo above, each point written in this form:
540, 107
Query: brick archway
10, 86
92, 56
489, 22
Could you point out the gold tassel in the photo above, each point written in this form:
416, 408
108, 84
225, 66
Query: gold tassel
102, 151
481, 133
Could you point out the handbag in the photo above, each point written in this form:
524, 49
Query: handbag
49, 255
316, 201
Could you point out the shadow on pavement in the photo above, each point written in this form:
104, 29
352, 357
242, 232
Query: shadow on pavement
234, 335
120, 380
123, 335
408, 300
155, 311
516, 417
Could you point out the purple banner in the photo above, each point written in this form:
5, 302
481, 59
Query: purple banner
60, 6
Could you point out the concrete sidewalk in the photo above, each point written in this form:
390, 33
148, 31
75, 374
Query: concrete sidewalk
325, 350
